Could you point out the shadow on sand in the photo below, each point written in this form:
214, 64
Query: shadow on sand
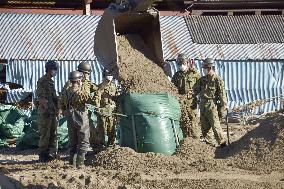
268, 130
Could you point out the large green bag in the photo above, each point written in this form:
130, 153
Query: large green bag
12, 122
152, 123
31, 137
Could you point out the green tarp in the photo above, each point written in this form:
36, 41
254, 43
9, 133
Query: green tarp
31, 137
152, 123
15, 125
12, 122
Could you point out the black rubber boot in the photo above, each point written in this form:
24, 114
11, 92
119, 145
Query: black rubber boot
73, 161
80, 160
72, 157
42, 157
49, 156
223, 145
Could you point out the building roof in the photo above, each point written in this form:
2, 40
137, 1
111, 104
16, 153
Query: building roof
251, 29
179, 36
71, 37
58, 37
194, 1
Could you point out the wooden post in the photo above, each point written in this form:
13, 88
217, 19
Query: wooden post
87, 7
258, 12
230, 13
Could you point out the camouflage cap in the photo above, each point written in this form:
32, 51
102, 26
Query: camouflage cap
208, 63
106, 73
75, 76
84, 67
51, 64
182, 58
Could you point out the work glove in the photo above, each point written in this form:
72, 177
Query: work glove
193, 106
224, 113
43, 104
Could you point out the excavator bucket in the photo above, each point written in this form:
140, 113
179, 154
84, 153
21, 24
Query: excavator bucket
139, 19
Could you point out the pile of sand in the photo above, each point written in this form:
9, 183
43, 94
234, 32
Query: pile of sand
137, 69
261, 149
126, 159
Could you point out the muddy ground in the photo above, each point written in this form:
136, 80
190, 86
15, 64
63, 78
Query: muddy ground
255, 159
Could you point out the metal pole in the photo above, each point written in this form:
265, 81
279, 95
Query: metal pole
175, 133
227, 124
56, 137
134, 132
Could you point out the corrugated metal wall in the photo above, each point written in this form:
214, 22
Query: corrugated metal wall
27, 72
176, 38
247, 81
47, 36
251, 29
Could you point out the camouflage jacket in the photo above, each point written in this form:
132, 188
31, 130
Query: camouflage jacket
107, 92
74, 98
184, 81
88, 88
211, 87
46, 89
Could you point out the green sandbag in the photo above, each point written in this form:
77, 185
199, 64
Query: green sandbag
152, 123
12, 122
31, 137
3, 143
62, 134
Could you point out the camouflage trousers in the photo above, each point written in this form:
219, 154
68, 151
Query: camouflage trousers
106, 126
47, 124
189, 123
78, 131
191, 128
209, 119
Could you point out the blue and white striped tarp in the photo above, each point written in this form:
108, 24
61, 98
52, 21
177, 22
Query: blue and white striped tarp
16, 95
27, 72
248, 81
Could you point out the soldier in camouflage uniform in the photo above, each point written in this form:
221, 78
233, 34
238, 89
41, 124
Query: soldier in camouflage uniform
73, 104
87, 85
184, 80
211, 91
47, 112
106, 121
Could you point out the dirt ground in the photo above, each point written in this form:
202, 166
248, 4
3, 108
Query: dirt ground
255, 159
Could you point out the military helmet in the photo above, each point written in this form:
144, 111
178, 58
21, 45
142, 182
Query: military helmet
84, 67
51, 64
208, 63
106, 73
181, 58
75, 76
